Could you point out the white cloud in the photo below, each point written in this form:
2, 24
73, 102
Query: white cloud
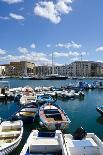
74, 54
12, 1
99, 49
69, 45
60, 54
23, 50
32, 45
36, 57
83, 53
4, 18
65, 54
48, 45
16, 16
53, 11
2, 52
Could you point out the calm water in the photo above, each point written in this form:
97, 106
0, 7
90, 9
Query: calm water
82, 112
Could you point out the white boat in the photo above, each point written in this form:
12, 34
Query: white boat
10, 136
25, 99
89, 145
56, 143
41, 143
66, 95
53, 117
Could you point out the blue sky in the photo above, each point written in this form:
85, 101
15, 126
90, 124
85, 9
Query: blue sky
32, 29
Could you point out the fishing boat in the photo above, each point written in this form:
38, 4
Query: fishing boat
44, 98
100, 109
48, 143
53, 117
82, 143
10, 136
27, 113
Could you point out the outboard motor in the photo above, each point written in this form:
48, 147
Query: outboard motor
79, 134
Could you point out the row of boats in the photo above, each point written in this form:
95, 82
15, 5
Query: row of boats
73, 90
48, 143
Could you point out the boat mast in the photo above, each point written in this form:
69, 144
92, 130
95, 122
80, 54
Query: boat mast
52, 64
81, 63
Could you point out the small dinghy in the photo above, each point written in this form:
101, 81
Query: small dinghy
27, 113
53, 117
44, 143
10, 136
100, 109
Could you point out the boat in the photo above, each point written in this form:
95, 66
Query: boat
2, 77
83, 143
10, 136
5, 93
66, 95
27, 113
99, 84
53, 117
57, 143
27, 95
55, 77
100, 109
44, 143
44, 98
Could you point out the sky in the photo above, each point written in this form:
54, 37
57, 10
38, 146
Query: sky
33, 30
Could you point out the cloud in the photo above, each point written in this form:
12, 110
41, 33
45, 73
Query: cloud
65, 54
69, 45
4, 18
48, 45
2, 52
23, 50
32, 45
60, 54
99, 49
53, 11
16, 16
12, 1
36, 57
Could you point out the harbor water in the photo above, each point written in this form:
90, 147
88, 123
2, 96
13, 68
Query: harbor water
81, 111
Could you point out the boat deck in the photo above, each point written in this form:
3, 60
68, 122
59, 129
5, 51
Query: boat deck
86, 146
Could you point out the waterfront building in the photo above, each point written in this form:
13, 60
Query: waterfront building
21, 68
43, 70
84, 69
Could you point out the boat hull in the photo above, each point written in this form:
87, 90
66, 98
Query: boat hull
100, 111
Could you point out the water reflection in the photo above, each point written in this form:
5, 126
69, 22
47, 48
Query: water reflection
100, 120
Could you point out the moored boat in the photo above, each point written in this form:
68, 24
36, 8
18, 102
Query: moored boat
100, 109
10, 136
44, 98
50, 143
82, 143
27, 113
53, 117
